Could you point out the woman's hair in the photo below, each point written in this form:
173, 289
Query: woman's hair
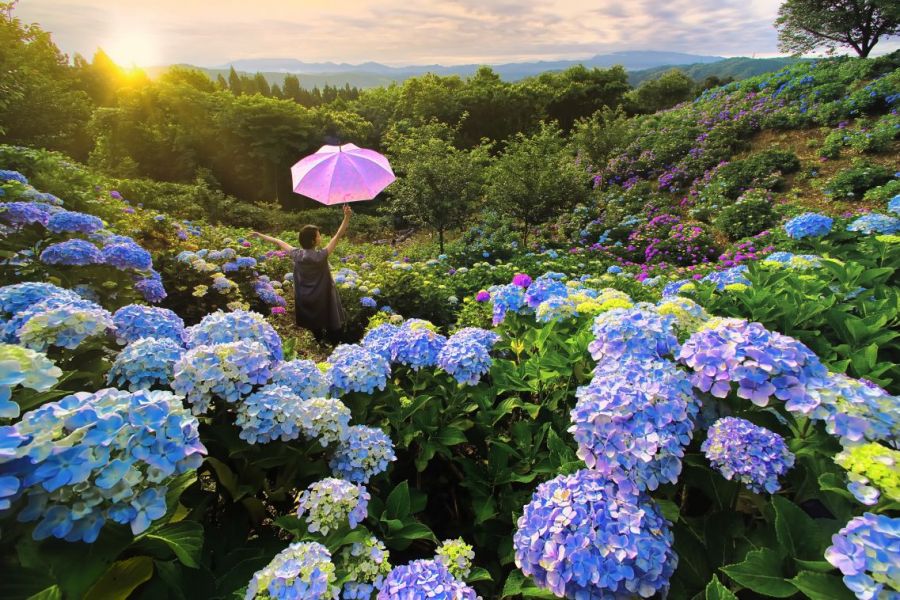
308, 235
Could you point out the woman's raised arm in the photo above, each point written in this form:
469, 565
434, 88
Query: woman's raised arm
272, 240
333, 242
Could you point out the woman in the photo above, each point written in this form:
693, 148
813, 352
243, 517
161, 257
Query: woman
317, 305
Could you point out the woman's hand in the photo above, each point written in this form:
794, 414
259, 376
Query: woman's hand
255, 234
347, 212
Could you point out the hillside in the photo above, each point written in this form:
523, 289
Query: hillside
735, 68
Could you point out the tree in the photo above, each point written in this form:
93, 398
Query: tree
234, 82
673, 87
605, 133
262, 86
804, 25
438, 183
536, 178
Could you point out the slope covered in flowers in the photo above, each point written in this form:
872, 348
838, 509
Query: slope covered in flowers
622, 418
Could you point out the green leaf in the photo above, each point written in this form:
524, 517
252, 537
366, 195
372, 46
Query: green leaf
478, 574
450, 436
716, 591
22, 582
184, 538
51, 593
416, 531
398, 504
762, 572
121, 579
513, 585
819, 586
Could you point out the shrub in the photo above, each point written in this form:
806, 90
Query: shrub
852, 183
749, 215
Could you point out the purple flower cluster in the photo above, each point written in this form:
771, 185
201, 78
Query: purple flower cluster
867, 552
24, 213
73, 252
745, 452
424, 579
634, 420
761, 362
586, 536
127, 256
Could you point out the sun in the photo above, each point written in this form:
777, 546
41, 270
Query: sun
133, 48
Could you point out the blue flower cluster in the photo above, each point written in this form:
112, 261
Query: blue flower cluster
20, 296
75, 222
378, 339
224, 327
368, 302
21, 366
808, 225
867, 552
6, 175
416, 345
126, 256
366, 564
145, 363
330, 503
269, 414
92, 458
467, 354
586, 536
18, 214
633, 333
302, 377
151, 288
761, 362
855, 411
634, 420
732, 276
302, 570
14, 325
800, 262
894, 205
424, 579
354, 368
324, 419
364, 453
875, 223
66, 326
73, 253
224, 371
555, 308
745, 452
544, 287
266, 292
136, 321
506, 298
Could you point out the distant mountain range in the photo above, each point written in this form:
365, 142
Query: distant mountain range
641, 65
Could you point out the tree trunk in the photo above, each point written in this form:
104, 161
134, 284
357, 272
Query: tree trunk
525, 238
441, 239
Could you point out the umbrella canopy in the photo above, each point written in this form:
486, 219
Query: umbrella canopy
338, 174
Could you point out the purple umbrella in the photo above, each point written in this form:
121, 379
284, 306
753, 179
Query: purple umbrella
338, 174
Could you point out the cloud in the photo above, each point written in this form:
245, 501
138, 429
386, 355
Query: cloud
404, 32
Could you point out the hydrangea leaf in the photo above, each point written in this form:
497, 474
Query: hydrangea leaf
761, 571
398, 503
185, 539
716, 591
122, 578
821, 586
797, 532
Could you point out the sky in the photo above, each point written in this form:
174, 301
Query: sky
401, 32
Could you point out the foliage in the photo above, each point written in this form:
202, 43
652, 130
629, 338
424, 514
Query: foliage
804, 25
748, 215
857, 179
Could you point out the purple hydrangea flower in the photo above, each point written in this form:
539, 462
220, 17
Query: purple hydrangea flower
425, 579
866, 552
127, 256
745, 452
72, 253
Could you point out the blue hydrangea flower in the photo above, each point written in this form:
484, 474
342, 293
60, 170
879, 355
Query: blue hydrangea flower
855, 411
586, 536
368, 302
302, 570
426, 579
416, 346
127, 256
151, 288
357, 369
266, 292
761, 362
364, 453
366, 564
6, 175
555, 308
20, 296
894, 205
875, 223
634, 420
808, 225
77, 253
18, 214
30, 369
324, 419
302, 377
269, 414
866, 553
145, 363
614, 270
800, 262
92, 458
467, 354
745, 452
506, 298
633, 332
66, 326
75, 222
224, 371
378, 339
221, 327
734, 275
674, 287
543, 288
136, 321
13, 326
329, 503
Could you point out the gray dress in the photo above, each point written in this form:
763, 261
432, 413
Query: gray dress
317, 305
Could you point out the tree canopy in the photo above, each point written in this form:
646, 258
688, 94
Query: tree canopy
805, 25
